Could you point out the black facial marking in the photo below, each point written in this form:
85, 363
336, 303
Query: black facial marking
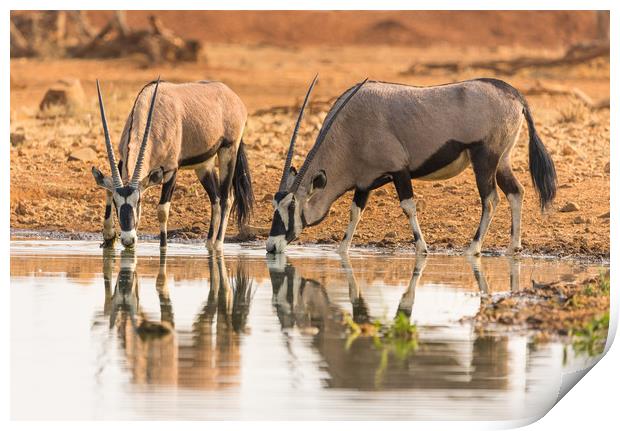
279, 196
320, 180
277, 225
125, 217
125, 191
446, 154
290, 231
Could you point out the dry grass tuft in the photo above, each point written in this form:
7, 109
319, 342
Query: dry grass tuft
575, 112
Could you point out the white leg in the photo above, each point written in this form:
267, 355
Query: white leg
488, 211
356, 215
360, 198
476, 266
227, 159
516, 203
214, 224
408, 206
163, 211
406, 301
223, 219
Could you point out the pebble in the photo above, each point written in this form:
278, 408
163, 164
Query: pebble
18, 138
580, 220
570, 207
569, 150
84, 155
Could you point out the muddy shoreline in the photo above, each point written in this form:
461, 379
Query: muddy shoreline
26, 234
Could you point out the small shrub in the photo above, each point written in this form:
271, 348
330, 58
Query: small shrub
575, 112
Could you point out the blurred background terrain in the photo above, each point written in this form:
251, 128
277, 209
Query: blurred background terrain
559, 60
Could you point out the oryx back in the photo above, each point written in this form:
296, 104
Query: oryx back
389, 127
192, 121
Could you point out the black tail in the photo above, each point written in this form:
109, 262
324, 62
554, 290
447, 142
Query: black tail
542, 168
242, 182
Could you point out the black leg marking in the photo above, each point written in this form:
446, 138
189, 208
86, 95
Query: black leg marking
109, 234
402, 182
210, 183
360, 197
404, 189
224, 192
485, 164
508, 183
162, 212
227, 162
168, 188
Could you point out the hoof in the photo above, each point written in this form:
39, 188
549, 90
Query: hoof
421, 248
513, 251
108, 243
473, 250
343, 249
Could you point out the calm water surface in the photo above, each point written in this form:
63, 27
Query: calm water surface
243, 336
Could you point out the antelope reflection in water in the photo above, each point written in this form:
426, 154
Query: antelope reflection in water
443, 359
207, 356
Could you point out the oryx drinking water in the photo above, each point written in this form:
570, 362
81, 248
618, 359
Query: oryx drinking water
189, 125
378, 132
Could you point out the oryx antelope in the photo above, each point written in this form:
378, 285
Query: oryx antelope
378, 132
189, 125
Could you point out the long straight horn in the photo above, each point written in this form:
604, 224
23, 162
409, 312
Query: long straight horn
116, 176
137, 172
291, 148
322, 134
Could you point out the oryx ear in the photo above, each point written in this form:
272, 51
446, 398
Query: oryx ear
319, 181
102, 180
154, 177
292, 173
